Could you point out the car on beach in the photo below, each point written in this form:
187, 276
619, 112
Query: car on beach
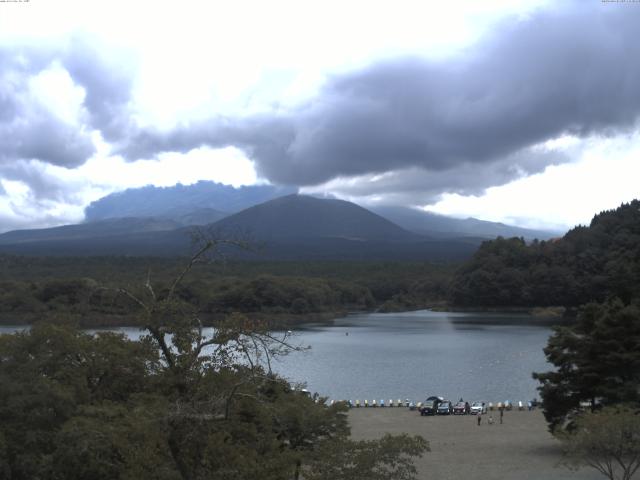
430, 406
461, 408
445, 408
478, 408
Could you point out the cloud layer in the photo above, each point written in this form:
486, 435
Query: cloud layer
570, 71
403, 130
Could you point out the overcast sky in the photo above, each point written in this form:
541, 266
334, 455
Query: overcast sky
524, 112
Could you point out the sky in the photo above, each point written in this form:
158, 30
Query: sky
524, 112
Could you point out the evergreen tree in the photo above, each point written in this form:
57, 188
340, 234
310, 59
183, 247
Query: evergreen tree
597, 360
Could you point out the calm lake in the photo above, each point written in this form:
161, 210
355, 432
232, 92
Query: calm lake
413, 355
417, 354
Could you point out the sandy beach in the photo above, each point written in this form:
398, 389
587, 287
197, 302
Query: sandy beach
521, 448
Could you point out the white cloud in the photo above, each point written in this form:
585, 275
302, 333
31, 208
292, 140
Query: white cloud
604, 175
225, 165
54, 89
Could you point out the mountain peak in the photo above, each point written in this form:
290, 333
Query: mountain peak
301, 216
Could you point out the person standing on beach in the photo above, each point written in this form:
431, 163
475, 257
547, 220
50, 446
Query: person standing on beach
479, 418
501, 414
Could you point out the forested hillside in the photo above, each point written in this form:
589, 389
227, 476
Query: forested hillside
86, 289
590, 263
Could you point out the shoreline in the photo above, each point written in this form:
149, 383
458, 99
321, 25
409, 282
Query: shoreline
281, 321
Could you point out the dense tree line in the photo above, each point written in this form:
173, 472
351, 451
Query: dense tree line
33, 289
588, 264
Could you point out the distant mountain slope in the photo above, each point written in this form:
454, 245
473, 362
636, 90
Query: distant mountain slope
293, 227
86, 231
180, 200
302, 217
178, 243
432, 224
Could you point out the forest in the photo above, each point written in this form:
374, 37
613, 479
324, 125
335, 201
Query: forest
589, 264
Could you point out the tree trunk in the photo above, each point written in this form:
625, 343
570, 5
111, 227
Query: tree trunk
177, 458
296, 475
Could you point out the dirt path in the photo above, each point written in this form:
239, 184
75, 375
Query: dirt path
519, 449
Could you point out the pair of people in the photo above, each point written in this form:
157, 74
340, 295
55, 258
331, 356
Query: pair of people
490, 420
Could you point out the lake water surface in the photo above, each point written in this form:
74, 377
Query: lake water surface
417, 354
413, 355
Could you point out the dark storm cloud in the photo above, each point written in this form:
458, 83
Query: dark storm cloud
574, 70
30, 131
417, 186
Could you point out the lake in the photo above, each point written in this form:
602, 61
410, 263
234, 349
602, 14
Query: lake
417, 354
413, 355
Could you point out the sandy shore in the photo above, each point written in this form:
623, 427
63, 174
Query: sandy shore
521, 448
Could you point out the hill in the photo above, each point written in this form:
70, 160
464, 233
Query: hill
588, 264
296, 217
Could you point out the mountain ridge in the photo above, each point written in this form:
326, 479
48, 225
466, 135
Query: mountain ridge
437, 225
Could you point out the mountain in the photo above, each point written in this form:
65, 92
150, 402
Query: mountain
181, 200
207, 202
298, 227
296, 217
432, 224
293, 227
